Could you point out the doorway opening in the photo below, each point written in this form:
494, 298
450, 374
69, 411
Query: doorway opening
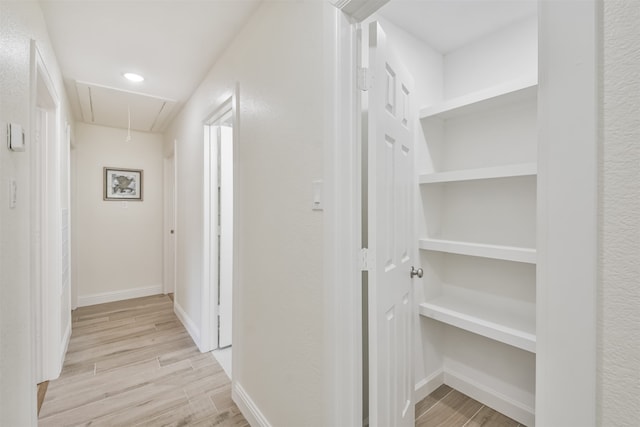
219, 147
410, 349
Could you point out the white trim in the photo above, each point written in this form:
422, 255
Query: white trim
236, 318
45, 192
489, 397
209, 299
66, 338
248, 408
358, 10
427, 385
101, 298
343, 295
188, 324
73, 200
175, 219
567, 269
169, 283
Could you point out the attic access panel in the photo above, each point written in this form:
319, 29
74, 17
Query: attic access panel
107, 106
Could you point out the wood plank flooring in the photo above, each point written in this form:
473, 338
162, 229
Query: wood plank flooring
446, 407
132, 363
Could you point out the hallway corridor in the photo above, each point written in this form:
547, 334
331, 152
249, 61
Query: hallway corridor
131, 363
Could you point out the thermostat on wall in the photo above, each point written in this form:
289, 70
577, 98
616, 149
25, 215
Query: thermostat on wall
15, 137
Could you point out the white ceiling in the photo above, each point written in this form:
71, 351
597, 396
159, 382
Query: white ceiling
172, 43
449, 24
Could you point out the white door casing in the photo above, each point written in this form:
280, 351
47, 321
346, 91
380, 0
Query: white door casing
219, 128
225, 284
37, 227
391, 239
209, 330
169, 225
51, 305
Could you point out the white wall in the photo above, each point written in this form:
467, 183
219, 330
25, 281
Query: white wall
619, 291
119, 243
19, 23
277, 59
474, 66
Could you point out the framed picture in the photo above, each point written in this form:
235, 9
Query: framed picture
123, 184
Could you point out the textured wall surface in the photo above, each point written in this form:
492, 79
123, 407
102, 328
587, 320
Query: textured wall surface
619, 298
20, 22
277, 62
16, 403
619, 320
119, 243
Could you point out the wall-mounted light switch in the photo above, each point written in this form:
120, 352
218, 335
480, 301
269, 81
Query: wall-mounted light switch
318, 203
15, 137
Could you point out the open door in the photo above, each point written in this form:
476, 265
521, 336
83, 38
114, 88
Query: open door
390, 236
225, 207
218, 231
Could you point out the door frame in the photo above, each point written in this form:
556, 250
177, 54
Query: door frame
46, 257
343, 207
579, 102
170, 222
209, 320
567, 236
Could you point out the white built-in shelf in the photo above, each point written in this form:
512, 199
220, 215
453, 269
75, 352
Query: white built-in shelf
509, 328
496, 96
507, 171
508, 253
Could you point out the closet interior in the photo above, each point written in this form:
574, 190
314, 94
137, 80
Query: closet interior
475, 199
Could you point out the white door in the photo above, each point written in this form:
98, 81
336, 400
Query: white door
391, 239
169, 225
218, 248
226, 235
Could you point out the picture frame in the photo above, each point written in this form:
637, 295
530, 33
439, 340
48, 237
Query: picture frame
122, 184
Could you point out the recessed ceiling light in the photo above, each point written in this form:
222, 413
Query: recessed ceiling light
133, 77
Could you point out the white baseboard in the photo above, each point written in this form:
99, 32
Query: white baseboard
427, 385
118, 295
487, 396
249, 409
188, 324
65, 344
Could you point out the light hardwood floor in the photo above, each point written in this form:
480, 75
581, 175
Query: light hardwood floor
446, 407
131, 363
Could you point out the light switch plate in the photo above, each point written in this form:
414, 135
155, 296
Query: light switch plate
15, 137
318, 202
